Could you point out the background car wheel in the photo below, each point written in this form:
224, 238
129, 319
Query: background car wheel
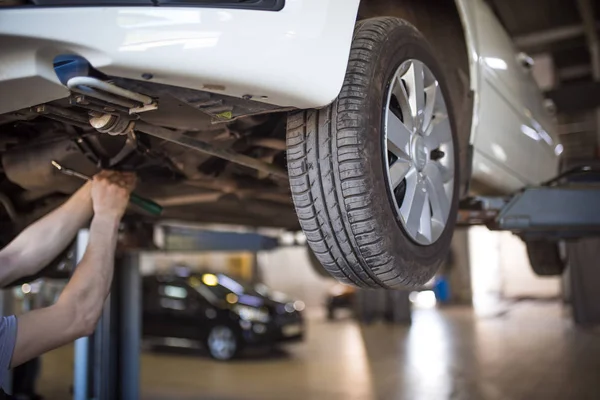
222, 343
545, 258
374, 176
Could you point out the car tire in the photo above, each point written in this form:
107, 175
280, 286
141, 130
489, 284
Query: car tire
545, 258
223, 343
316, 265
340, 170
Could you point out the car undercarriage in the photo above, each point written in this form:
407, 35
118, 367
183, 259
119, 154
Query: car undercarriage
191, 185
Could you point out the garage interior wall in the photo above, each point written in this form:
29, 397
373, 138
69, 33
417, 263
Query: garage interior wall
288, 270
500, 269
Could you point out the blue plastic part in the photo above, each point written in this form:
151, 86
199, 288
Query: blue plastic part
68, 66
441, 288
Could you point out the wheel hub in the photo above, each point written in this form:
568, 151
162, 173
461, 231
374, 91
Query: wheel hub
420, 153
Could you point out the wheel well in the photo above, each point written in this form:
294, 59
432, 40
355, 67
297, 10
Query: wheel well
439, 21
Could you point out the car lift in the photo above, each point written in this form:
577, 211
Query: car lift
107, 364
566, 207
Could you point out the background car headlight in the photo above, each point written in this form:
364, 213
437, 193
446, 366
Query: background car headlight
252, 314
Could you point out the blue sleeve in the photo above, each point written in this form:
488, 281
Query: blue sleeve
8, 339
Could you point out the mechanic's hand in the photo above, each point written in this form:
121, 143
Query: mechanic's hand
110, 192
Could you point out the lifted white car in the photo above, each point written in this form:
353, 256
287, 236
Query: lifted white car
389, 113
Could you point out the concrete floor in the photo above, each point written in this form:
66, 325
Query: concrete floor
532, 351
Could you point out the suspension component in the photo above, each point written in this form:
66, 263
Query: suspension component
112, 124
201, 146
105, 91
118, 125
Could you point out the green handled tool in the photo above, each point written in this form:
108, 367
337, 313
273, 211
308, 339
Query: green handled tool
143, 203
146, 204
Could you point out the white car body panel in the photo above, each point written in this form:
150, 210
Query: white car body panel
467, 18
514, 138
295, 57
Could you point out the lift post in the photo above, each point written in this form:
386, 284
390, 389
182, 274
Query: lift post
81, 371
130, 290
107, 364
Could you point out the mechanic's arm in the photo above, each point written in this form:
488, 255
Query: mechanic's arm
41, 242
79, 306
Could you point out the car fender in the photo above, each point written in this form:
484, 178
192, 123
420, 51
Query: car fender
466, 13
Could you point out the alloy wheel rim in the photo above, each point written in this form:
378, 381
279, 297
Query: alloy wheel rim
221, 343
419, 152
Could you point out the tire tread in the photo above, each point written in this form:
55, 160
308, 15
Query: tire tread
335, 209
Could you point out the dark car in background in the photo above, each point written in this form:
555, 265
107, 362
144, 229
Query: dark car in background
222, 313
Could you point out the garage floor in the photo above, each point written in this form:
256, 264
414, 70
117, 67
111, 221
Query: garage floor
530, 351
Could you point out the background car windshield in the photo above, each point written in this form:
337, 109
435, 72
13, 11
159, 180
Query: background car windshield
220, 285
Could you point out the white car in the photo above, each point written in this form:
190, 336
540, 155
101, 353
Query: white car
389, 112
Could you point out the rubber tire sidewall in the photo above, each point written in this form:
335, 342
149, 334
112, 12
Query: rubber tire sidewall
418, 262
338, 173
